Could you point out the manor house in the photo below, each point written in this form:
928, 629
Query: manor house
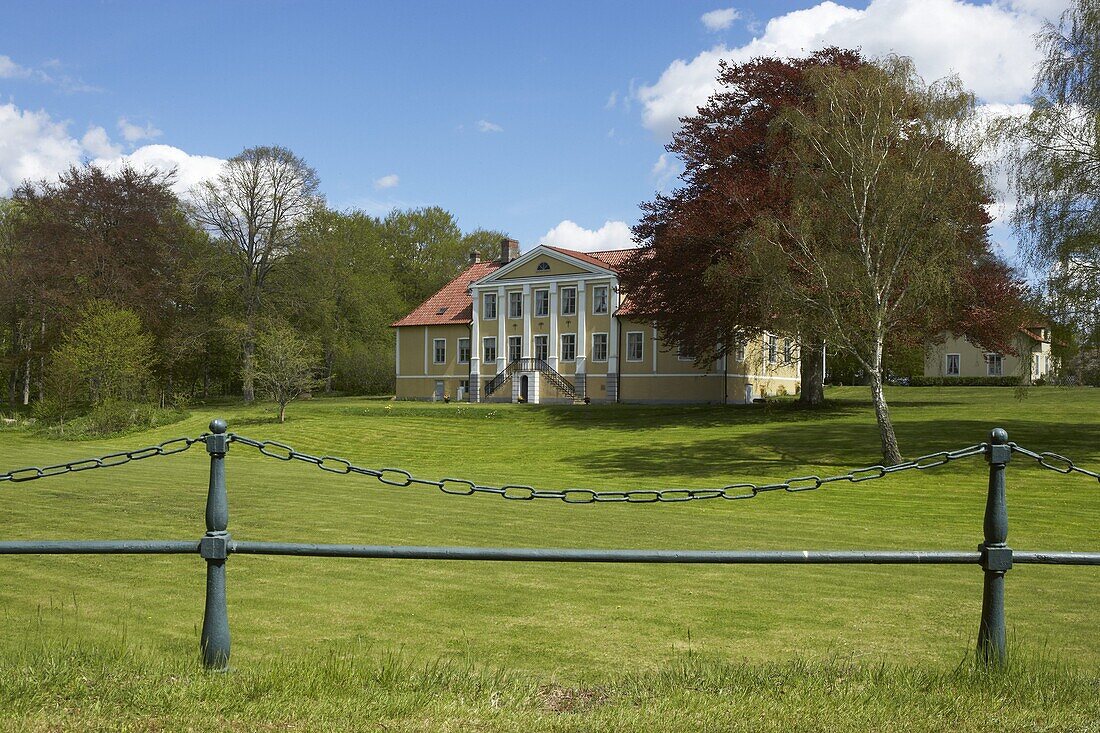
553, 325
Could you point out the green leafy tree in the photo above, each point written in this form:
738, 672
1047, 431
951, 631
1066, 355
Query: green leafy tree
109, 352
887, 213
1056, 167
286, 365
427, 250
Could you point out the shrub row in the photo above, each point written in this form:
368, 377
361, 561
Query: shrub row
1011, 381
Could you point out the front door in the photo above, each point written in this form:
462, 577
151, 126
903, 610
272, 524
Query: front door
523, 388
748, 394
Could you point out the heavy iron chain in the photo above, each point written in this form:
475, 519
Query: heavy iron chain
167, 448
522, 492
1054, 461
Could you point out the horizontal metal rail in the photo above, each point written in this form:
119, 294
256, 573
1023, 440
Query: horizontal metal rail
543, 554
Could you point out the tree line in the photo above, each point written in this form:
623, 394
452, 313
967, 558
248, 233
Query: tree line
112, 287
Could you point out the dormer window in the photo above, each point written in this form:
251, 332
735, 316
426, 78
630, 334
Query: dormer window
543, 267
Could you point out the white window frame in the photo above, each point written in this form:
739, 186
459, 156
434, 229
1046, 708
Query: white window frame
788, 351
535, 345
519, 349
991, 358
947, 365
487, 298
739, 351
435, 351
606, 346
561, 348
468, 353
606, 299
641, 345
680, 354
485, 348
544, 312
772, 346
513, 298
571, 301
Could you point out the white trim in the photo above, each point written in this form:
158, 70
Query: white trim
434, 351
535, 300
947, 365
988, 363
561, 297
628, 335
607, 347
534, 339
496, 305
543, 251
606, 300
765, 377
509, 295
561, 336
508, 343
496, 351
469, 350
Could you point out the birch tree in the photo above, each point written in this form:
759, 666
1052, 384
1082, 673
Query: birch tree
255, 206
887, 212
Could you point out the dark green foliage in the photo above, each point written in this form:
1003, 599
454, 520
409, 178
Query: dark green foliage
921, 381
113, 418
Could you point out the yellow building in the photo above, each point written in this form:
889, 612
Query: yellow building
955, 356
552, 325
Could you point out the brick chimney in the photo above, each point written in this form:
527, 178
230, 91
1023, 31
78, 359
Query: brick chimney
509, 250
475, 257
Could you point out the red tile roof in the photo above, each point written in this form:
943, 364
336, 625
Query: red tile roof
452, 304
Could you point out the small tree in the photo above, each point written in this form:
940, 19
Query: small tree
108, 351
286, 365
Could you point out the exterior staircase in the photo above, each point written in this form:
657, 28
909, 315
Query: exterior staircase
555, 378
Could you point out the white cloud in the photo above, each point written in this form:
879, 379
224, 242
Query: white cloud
486, 126
98, 144
34, 146
664, 170
990, 47
612, 100
11, 70
719, 20
387, 181
570, 235
132, 133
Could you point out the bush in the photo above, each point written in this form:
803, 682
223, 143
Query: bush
115, 417
1010, 381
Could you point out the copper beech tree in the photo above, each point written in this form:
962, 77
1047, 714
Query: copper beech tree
693, 275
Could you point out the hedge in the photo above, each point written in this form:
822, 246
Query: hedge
1012, 381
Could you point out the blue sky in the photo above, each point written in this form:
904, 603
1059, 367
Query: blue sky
546, 120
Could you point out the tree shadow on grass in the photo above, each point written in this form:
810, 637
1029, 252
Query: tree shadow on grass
780, 451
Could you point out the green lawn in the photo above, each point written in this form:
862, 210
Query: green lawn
579, 626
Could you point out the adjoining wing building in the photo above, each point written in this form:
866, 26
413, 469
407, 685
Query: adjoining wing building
552, 325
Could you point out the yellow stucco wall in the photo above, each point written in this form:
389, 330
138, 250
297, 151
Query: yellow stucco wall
972, 362
530, 269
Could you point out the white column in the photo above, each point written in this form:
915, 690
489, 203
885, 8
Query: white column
580, 380
613, 342
475, 347
525, 350
502, 329
553, 308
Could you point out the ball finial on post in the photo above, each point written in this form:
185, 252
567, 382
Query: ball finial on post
998, 436
218, 426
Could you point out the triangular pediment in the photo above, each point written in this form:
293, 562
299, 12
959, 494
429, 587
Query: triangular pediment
544, 262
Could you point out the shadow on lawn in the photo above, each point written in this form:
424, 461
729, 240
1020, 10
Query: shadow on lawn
776, 452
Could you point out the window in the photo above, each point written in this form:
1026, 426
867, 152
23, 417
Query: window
439, 351
952, 365
599, 299
515, 347
1036, 367
543, 267
489, 311
634, 341
542, 346
739, 351
569, 347
515, 305
773, 348
569, 301
464, 389
464, 351
684, 353
994, 365
542, 302
489, 348
787, 351
599, 347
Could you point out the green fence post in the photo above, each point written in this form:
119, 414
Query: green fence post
996, 555
214, 548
